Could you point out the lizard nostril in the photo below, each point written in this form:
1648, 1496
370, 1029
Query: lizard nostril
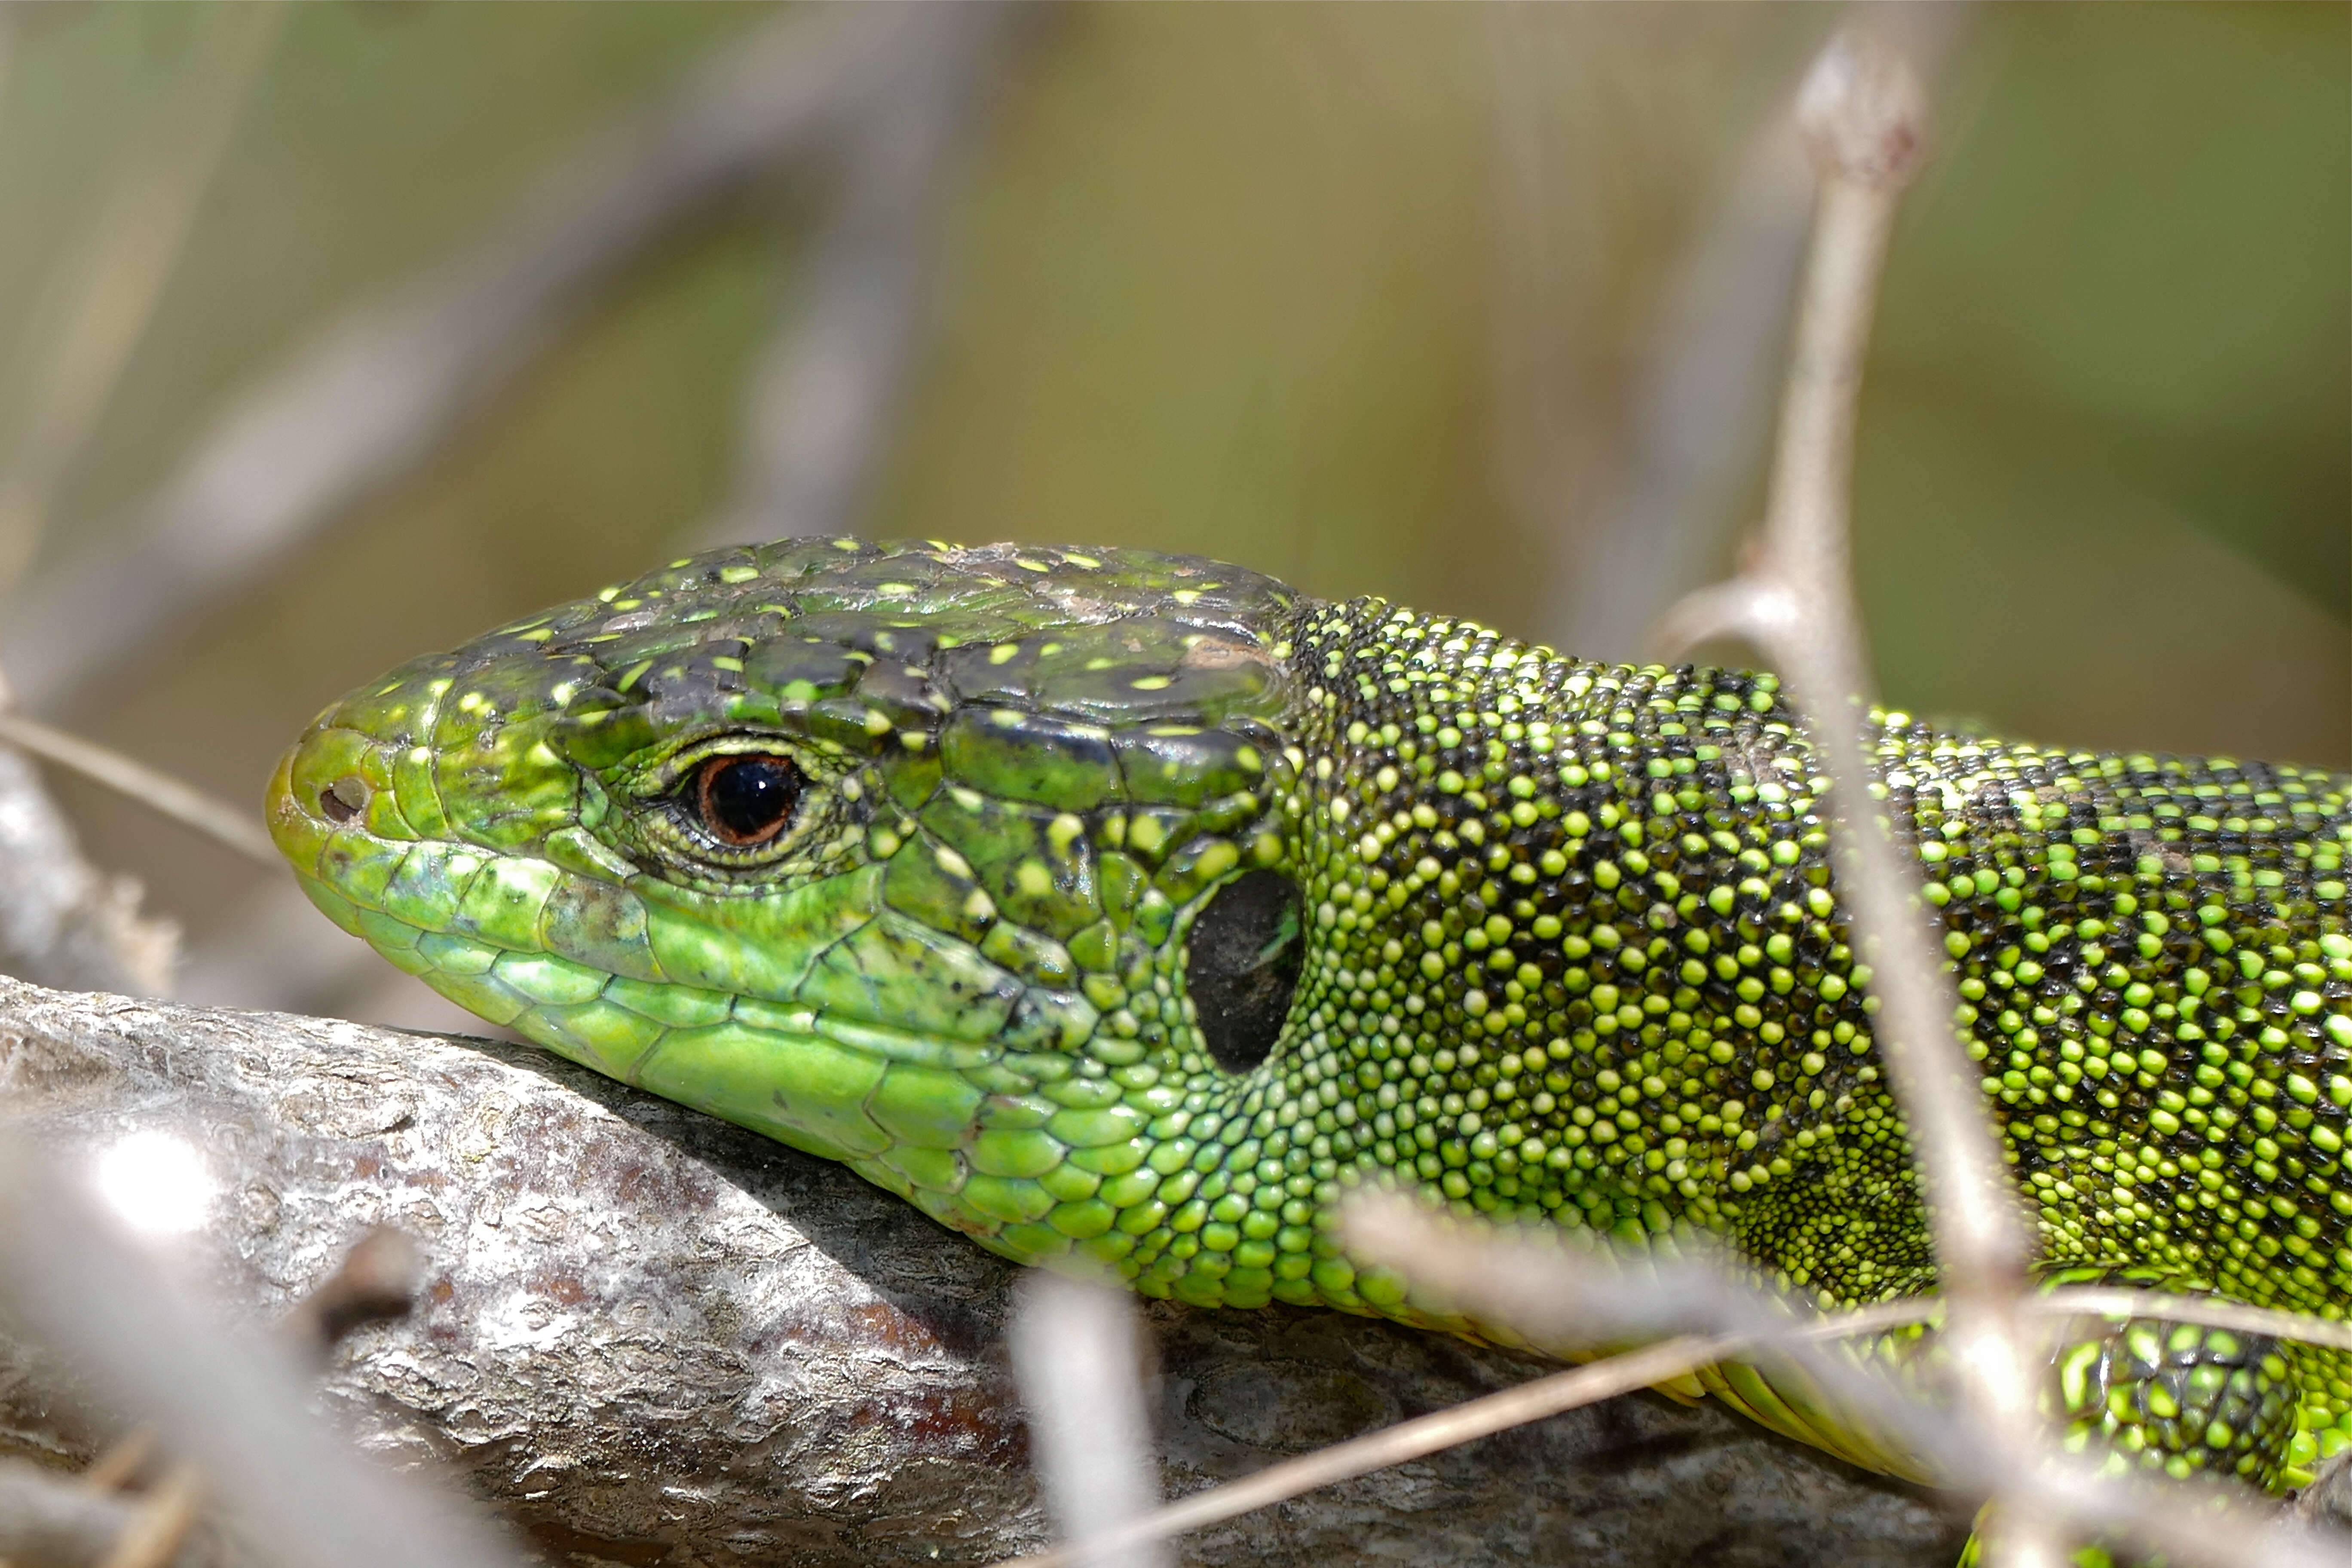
344, 799
1245, 957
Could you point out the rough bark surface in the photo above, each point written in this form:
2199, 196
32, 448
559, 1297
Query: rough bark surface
651, 1338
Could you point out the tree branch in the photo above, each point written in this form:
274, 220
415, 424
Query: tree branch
641, 1331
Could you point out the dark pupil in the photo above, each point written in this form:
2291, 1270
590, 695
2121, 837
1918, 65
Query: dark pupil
748, 800
1245, 951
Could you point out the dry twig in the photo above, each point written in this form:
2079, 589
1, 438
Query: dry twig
62, 921
106, 288
1864, 119
159, 792
1865, 123
1464, 1423
377, 392
1078, 1358
1566, 1300
1700, 405
156, 1533
1399, 1443
48, 1520
121, 1462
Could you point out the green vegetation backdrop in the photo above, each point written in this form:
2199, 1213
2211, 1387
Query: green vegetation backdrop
1356, 295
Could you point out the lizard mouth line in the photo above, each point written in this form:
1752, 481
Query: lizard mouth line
535, 980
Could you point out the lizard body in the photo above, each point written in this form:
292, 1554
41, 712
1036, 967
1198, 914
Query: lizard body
1127, 910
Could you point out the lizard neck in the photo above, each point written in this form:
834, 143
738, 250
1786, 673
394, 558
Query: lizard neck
1571, 960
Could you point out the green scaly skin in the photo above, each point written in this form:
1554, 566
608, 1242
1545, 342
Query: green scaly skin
1570, 950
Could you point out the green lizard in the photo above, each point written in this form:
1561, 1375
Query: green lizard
1125, 911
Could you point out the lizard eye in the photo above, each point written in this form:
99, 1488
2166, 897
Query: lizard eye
745, 801
1246, 959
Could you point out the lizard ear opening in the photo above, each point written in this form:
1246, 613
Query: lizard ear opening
1246, 947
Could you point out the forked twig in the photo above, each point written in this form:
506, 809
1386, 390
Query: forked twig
1560, 1296
1700, 404
1864, 121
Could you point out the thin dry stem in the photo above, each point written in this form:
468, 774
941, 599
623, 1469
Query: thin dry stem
1864, 119
1561, 1300
1740, 609
1558, 1295
825, 394
1405, 1441
159, 792
1865, 123
1077, 1357
1700, 405
120, 1463
109, 287
2207, 1311
2155, 1514
156, 1531
62, 921
1865, 126
364, 402
70, 1280
49, 1520
375, 1283
1476, 1419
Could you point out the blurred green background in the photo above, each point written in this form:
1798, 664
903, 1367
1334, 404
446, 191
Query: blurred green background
1362, 296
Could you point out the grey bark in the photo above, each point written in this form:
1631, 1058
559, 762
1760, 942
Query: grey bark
649, 1337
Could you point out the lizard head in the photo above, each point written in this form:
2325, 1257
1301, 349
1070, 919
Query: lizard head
1119, 910
978, 869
